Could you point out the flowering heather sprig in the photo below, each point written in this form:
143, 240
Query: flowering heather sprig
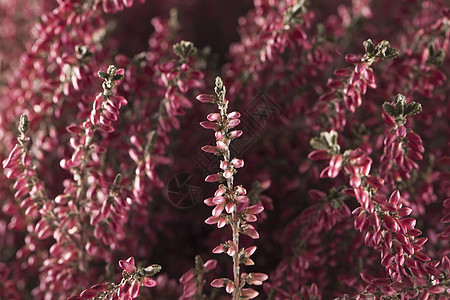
231, 205
347, 90
193, 281
133, 278
281, 27
402, 147
309, 260
384, 223
175, 78
104, 205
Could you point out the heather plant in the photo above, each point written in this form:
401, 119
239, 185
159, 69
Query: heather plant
339, 108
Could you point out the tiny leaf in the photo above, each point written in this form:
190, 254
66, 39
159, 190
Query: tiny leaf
389, 109
413, 108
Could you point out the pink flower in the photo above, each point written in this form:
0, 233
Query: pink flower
128, 265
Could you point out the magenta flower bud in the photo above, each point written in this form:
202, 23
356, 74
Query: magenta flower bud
113, 110
96, 218
189, 289
148, 282
21, 192
375, 182
233, 115
229, 207
258, 278
227, 174
213, 117
219, 249
127, 265
318, 155
325, 172
242, 199
218, 283
235, 134
233, 123
74, 129
217, 211
229, 287
101, 287
436, 289
422, 256
212, 220
409, 223
117, 101
387, 260
251, 232
209, 201
188, 276
210, 149
204, 98
88, 294
221, 145
12, 158
395, 197
352, 58
360, 221
255, 209
220, 192
219, 135
240, 190
327, 96
134, 290
388, 119
401, 131
109, 115
98, 103
26, 159
390, 224
219, 200
250, 218
209, 125
224, 165
127, 3
355, 181
167, 67
349, 192
249, 293
213, 178
414, 138
221, 222
210, 264
250, 250
416, 149
237, 163
342, 72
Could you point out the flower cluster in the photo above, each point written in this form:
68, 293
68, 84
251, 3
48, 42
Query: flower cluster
231, 205
346, 149
133, 279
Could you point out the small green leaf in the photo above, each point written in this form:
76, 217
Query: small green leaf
413, 108
369, 46
391, 53
111, 71
117, 77
389, 109
317, 144
152, 270
24, 124
102, 75
399, 103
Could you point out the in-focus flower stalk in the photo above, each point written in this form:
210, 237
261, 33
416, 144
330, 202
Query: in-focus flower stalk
230, 201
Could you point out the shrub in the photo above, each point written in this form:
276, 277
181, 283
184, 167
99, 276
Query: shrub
339, 109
